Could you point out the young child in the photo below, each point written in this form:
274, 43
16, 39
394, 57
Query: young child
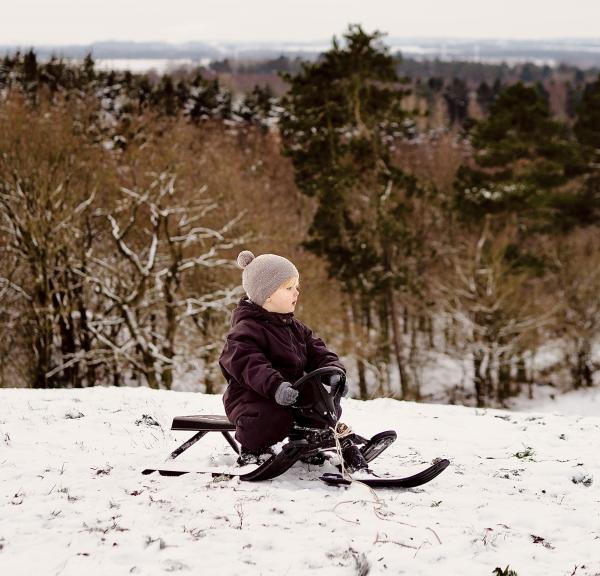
266, 350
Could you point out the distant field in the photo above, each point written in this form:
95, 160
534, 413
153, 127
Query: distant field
584, 53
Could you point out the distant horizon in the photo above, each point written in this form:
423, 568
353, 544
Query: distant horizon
140, 55
83, 22
272, 42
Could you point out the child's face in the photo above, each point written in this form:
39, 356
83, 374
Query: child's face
284, 299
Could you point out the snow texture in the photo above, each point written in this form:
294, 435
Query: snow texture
520, 491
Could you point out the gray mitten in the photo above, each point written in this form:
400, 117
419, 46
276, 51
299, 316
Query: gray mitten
285, 394
334, 379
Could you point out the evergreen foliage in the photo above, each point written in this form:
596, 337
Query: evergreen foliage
342, 116
486, 94
456, 96
259, 106
587, 126
524, 162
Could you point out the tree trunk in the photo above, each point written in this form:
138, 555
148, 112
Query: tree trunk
168, 348
430, 334
488, 384
370, 350
86, 340
413, 362
383, 348
478, 378
522, 376
150, 372
362, 381
42, 346
358, 347
504, 390
62, 304
208, 354
582, 366
398, 344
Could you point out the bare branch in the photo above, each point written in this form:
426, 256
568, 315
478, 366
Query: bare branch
6, 284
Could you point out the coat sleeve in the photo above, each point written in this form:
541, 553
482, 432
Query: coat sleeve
318, 355
243, 359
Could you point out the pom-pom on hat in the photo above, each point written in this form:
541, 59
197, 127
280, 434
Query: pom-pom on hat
263, 274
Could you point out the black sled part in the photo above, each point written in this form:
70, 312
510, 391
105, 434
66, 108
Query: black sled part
278, 464
290, 453
356, 458
273, 467
323, 441
377, 444
408, 482
316, 406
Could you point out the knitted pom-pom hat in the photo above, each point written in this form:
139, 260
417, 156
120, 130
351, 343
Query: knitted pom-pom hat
263, 274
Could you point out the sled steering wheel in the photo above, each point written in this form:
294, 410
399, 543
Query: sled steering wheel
335, 390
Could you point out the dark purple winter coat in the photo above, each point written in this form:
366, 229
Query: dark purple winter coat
264, 349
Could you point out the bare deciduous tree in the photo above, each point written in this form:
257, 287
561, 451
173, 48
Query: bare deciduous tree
577, 275
496, 309
45, 187
158, 242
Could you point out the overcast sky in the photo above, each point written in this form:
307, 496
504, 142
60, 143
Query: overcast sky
84, 21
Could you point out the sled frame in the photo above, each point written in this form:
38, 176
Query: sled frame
202, 425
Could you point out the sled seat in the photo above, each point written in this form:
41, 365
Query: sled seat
203, 423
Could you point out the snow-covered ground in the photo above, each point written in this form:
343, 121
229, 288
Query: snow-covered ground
583, 402
522, 490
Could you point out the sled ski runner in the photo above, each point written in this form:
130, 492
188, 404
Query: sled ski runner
386, 482
281, 462
294, 450
273, 467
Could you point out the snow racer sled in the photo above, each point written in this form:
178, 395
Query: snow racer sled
315, 435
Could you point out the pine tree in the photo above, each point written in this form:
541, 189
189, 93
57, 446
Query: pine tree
523, 161
88, 69
30, 67
30, 74
166, 96
585, 206
587, 126
342, 116
257, 106
485, 96
573, 99
456, 96
527, 173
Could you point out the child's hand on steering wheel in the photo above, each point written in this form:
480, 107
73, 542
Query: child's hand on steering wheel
334, 380
285, 394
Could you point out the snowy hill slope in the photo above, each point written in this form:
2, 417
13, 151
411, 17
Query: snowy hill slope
519, 492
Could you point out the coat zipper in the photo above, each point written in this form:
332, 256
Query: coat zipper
289, 328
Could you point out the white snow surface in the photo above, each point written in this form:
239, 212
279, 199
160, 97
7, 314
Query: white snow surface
522, 490
583, 402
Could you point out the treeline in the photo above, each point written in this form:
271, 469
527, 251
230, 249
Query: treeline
124, 199
187, 93
441, 94
442, 70
441, 91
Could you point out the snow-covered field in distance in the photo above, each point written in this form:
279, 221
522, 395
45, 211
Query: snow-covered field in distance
522, 490
141, 65
582, 52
